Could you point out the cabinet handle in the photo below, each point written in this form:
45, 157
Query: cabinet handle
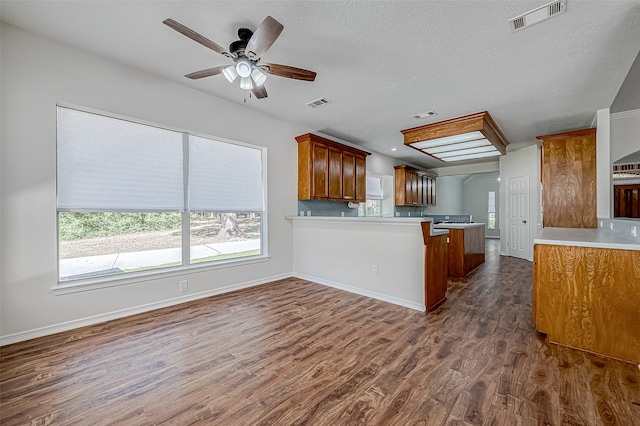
524, 221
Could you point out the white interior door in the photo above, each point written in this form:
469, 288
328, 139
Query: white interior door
518, 243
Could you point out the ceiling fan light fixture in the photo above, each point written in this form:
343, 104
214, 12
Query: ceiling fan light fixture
462, 138
245, 83
258, 77
230, 73
243, 68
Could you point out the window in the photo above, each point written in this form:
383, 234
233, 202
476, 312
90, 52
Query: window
135, 197
373, 205
492, 210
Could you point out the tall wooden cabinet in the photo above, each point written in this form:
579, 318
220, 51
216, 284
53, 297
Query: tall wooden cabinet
414, 187
569, 179
329, 170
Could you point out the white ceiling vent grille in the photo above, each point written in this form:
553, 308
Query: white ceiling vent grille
540, 14
318, 102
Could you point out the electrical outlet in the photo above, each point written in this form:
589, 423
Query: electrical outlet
374, 269
601, 224
184, 285
611, 226
634, 231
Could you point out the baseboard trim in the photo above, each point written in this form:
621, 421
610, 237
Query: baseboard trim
96, 319
372, 294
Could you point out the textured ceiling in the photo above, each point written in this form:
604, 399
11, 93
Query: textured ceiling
378, 62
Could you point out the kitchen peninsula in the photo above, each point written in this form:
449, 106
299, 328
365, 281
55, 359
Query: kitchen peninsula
466, 247
586, 290
398, 260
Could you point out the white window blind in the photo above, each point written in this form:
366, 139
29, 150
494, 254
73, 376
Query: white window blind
374, 188
224, 177
106, 164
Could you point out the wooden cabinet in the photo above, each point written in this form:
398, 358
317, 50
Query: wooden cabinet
414, 187
466, 248
328, 170
569, 179
435, 267
588, 298
626, 201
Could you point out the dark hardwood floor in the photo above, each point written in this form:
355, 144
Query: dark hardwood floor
294, 352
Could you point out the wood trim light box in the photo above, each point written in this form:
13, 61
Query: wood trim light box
463, 138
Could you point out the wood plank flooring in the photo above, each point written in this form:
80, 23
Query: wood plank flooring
298, 353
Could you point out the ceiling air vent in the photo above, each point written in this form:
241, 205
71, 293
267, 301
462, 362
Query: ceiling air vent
318, 102
540, 14
424, 115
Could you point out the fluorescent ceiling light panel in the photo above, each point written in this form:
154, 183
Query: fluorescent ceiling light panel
449, 140
463, 138
460, 152
462, 145
472, 156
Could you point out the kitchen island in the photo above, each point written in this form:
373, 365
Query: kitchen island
398, 260
586, 290
466, 247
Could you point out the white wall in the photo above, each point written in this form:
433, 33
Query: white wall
476, 199
604, 196
449, 193
625, 134
35, 74
340, 252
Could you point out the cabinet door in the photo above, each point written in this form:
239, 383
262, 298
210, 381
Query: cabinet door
414, 188
335, 173
408, 197
420, 201
348, 176
569, 181
433, 190
361, 178
320, 170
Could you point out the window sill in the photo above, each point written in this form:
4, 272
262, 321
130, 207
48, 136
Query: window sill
76, 286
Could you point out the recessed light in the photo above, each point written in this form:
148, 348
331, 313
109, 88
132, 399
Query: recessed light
424, 115
394, 149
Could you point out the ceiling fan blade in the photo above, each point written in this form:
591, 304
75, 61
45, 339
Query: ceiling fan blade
263, 37
199, 38
259, 92
207, 73
288, 72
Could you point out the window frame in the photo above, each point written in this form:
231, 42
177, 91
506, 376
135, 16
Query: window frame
103, 281
491, 210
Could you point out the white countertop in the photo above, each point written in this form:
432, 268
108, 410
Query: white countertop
458, 225
585, 237
404, 220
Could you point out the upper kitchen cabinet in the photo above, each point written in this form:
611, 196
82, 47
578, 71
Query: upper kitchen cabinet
569, 179
328, 170
414, 187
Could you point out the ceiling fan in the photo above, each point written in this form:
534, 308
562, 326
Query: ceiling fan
246, 53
